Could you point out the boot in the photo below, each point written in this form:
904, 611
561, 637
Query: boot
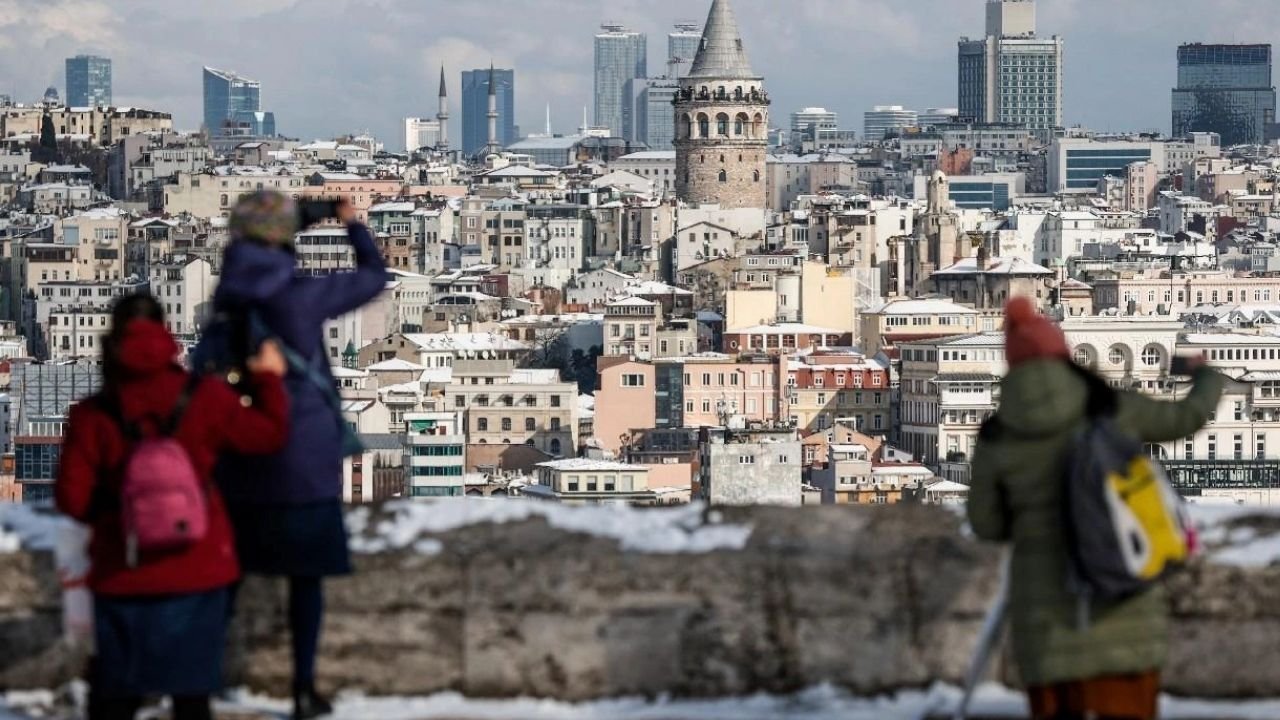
309, 704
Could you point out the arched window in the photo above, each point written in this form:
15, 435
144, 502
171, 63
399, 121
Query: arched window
530, 424
1152, 355
739, 127
506, 424
737, 93
742, 123
1085, 356
722, 125
686, 127
704, 125
1118, 355
555, 446
755, 176
724, 176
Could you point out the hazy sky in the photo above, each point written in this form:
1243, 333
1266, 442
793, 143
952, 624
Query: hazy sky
335, 66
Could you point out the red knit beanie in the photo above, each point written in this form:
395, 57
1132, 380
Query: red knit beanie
1028, 335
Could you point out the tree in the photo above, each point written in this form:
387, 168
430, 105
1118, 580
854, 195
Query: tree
46, 152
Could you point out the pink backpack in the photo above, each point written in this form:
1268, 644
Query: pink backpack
163, 500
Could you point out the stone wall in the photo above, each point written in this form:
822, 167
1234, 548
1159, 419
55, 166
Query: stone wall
871, 599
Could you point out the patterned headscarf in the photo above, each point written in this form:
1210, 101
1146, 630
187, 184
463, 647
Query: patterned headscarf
267, 217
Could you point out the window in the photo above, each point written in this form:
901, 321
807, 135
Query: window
530, 425
723, 176
554, 446
1189, 449
1261, 453
1152, 355
555, 401
555, 424
482, 424
706, 379
459, 401
1239, 447
746, 459
632, 380
1116, 356
1213, 447
506, 424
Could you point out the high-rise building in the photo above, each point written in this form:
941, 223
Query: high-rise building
227, 94
682, 48
621, 56
1224, 89
808, 122
1011, 75
884, 121
421, 133
88, 81
655, 115
931, 117
475, 108
722, 121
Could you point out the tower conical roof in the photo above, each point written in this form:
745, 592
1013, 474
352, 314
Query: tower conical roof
721, 53
444, 91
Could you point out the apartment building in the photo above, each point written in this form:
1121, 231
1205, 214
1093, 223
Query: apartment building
580, 481
827, 387
908, 319
435, 454
503, 405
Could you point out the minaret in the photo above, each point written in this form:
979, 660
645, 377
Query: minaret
722, 121
493, 146
442, 115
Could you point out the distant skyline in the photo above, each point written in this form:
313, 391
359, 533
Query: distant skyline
329, 67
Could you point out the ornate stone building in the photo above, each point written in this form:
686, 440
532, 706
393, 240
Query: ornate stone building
722, 121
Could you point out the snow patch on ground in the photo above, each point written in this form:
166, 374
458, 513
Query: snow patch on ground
675, 530
1228, 542
24, 527
819, 703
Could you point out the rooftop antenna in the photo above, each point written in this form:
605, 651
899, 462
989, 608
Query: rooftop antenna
548, 119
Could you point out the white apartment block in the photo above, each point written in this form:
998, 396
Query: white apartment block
184, 285
435, 454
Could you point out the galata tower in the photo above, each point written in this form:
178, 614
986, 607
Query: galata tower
722, 121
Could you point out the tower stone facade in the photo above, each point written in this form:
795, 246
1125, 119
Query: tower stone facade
722, 121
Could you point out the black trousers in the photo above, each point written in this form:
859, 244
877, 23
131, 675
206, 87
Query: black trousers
185, 707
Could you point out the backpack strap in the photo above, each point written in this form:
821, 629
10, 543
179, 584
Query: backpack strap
180, 407
132, 431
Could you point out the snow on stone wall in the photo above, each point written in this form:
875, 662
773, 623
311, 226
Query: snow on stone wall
495, 599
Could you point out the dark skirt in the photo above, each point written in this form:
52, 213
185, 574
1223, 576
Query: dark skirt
159, 645
307, 540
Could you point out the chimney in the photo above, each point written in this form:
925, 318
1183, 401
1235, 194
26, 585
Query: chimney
982, 257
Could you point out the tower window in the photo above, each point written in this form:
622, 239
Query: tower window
724, 176
755, 176
722, 125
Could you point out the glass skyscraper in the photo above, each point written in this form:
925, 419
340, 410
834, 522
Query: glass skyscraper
1011, 75
227, 97
475, 108
655, 113
682, 48
621, 56
88, 81
1224, 89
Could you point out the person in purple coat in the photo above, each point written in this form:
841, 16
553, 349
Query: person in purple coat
286, 508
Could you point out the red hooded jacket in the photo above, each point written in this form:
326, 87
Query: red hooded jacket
95, 451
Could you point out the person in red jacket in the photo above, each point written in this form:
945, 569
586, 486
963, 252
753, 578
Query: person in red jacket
160, 623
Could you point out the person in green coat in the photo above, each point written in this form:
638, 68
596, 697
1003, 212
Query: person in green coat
1110, 667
